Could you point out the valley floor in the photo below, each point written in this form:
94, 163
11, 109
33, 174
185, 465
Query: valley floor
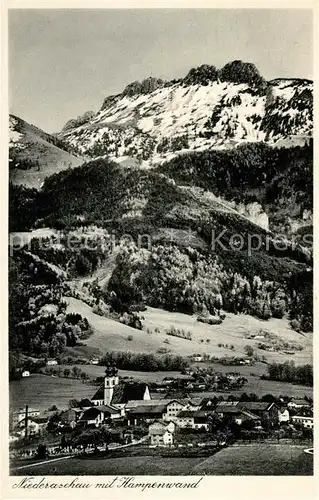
239, 460
111, 335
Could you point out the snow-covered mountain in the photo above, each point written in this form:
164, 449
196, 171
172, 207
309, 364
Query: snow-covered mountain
172, 117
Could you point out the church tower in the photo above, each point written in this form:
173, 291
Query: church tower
111, 379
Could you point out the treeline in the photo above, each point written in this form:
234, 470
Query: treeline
100, 190
188, 281
104, 194
279, 178
22, 204
79, 256
288, 372
38, 322
144, 362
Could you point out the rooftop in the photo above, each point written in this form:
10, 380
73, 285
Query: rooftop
91, 413
160, 431
186, 413
300, 402
149, 409
255, 405
123, 392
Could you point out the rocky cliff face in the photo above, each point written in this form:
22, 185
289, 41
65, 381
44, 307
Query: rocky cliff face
157, 120
254, 212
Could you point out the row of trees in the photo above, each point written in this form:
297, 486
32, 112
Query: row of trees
275, 177
188, 281
38, 322
288, 372
144, 362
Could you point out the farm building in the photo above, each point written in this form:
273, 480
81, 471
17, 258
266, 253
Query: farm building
35, 425
71, 417
52, 362
19, 415
283, 415
298, 403
306, 422
265, 410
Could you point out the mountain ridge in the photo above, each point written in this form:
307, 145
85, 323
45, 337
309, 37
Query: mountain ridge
173, 117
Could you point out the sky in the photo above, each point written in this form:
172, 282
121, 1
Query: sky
65, 62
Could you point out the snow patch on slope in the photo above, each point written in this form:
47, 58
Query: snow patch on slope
217, 115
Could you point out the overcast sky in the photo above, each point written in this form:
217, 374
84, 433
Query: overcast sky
65, 62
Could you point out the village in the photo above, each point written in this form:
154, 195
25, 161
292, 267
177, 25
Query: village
122, 415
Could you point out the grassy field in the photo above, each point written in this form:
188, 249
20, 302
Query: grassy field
115, 467
252, 373
43, 391
258, 460
111, 335
261, 459
98, 371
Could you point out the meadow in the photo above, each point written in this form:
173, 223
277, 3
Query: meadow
111, 335
258, 460
252, 373
43, 391
261, 459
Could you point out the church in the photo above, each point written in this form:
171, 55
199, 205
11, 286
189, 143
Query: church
114, 394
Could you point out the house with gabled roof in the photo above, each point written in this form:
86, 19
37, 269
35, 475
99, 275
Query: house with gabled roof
70, 417
185, 418
33, 425
298, 403
21, 413
171, 426
283, 414
237, 412
145, 413
161, 433
91, 417
194, 419
268, 412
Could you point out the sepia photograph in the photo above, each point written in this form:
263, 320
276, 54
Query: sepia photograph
160, 260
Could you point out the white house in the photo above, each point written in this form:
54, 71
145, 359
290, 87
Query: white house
197, 358
35, 425
173, 408
306, 422
159, 424
283, 415
94, 361
161, 433
19, 415
52, 362
25, 373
